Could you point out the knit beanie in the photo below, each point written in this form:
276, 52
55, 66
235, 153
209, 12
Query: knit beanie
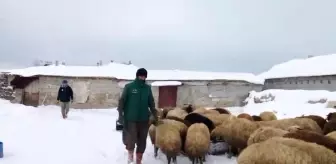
141, 72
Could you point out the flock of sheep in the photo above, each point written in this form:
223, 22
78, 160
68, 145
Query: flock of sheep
254, 139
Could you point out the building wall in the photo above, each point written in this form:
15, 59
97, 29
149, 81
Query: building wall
104, 93
304, 83
218, 94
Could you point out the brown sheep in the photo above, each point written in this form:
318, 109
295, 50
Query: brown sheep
246, 116
284, 124
177, 112
278, 150
180, 126
312, 137
318, 119
188, 109
330, 126
165, 112
256, 118
222, 110
197, 142
332, 135
218, 119
331, 116
265, 133
235, 132
268, 116
168, 140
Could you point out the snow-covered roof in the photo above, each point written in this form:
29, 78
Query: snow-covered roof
166, 83
127, 72
313, 66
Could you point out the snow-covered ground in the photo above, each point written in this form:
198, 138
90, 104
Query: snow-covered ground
39, 135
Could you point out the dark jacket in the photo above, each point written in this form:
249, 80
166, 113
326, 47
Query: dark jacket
65, 94
135, 100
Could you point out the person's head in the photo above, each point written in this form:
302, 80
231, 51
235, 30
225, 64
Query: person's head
141, 74
64, 83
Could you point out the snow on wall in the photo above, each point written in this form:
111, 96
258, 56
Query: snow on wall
127, 72
313, 66
166, 83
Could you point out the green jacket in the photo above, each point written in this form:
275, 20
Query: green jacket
135, 102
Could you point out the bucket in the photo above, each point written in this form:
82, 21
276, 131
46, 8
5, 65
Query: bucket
1, 150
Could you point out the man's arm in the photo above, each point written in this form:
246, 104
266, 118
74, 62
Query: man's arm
151, 103
71, 93
58, 95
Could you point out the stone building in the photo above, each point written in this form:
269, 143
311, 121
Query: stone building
312, 73
101, 86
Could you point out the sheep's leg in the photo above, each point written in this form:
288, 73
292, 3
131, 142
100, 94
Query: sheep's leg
174, 160
168, 159
230, 152
203, 157
156, 149
193, 160
200, 160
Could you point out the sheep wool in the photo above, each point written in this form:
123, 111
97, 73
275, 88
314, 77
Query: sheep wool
268, 116
318, 119
305, 123
265, 133
168, 140
197, 142
246, 116
332, 135
278, 150
177, 113
313, 137
235, 132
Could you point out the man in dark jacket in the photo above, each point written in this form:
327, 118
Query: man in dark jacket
136, 99
65, 95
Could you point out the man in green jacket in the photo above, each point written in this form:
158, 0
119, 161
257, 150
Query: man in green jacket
134, 104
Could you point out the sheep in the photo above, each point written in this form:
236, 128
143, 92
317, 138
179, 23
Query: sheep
318, 119
218, 119
235, 132
188, 108
168, 140
222, 110
180, 126
197, 142
305, 123
332, 135
267, 116
165, 112
256, 118
330, 126
278, 150
310, 136
331, 116
177, 112
246, 116
265, 133
198, 118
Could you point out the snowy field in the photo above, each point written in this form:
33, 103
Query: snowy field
39, 135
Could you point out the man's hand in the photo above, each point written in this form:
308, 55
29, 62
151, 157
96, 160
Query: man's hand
155, 120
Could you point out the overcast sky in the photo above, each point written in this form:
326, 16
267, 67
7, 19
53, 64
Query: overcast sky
212, 35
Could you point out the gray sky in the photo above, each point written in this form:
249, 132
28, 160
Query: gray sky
216, 35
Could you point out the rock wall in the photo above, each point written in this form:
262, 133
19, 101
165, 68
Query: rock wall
6, 91
92, 93
215, 94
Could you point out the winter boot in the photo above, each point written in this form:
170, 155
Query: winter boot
139, 158
130, 157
